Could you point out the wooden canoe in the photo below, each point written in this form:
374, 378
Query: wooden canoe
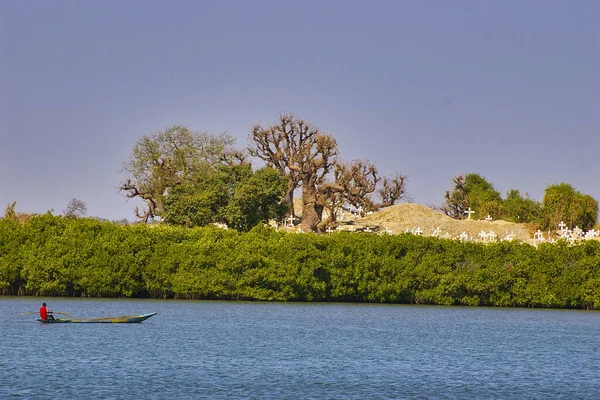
125, 319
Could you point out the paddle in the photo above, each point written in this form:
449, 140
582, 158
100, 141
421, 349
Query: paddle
52, 312
62, 313
28, 313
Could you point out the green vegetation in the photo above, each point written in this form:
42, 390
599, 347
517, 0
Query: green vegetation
231, 195
474, 192
194, 179
53, 255
162, 161
521, 209
561, 203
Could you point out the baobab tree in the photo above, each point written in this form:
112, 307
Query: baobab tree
309, 158
301, 152
354, 184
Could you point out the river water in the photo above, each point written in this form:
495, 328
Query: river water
246, 350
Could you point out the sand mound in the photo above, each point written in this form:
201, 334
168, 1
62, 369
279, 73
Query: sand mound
402, 217
410, 217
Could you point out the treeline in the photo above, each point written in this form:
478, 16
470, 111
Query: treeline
562, 204
56, 256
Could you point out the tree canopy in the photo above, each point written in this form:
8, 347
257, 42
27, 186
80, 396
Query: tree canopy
520, 208
310, 159
474, 192
164, 160
304, 154
195, 178
562, 203
232, 195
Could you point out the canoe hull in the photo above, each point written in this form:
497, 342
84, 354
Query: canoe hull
125, 319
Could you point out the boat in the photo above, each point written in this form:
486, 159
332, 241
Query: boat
125, 319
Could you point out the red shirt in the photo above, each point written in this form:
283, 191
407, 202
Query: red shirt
43, 312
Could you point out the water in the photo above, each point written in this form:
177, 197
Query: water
230, 350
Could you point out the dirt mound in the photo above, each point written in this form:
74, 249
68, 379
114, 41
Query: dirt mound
412, 217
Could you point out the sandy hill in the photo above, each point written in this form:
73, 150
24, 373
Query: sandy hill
409, 216
402, 217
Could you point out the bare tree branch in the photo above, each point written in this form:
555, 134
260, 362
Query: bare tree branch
75, 208
300, 151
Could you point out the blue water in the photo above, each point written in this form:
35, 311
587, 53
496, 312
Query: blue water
230, 350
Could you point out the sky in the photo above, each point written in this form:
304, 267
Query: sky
430, 89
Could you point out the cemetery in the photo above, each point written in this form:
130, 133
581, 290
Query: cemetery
421, 220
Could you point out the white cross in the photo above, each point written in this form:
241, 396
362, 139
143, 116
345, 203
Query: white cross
562, 226
418, 231
538, 236
489, 218
469, 212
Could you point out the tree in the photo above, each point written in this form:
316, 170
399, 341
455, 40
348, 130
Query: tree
472, 191
353, 186
10, 213
301, 152
457, 200
521, 209
257, 200
164, 160
562, 203
202, 200
231, 194
309, 159
75, 208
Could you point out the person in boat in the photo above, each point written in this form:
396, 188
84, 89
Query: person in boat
44, 313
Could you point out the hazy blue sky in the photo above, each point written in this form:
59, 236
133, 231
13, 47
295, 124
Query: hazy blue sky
431, 89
